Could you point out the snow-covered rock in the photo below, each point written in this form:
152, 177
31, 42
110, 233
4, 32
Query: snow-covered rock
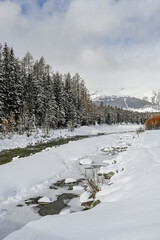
78, 188
85, 161
108, 162
106, 170
70, 180
44, 200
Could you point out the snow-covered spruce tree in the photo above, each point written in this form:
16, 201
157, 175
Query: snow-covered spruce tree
28, 120
40, 79
76, 93
11, 86
27, 64
29, 88
81, 101
101, 114
5, 86
50, 102
85, 104
11, 124
47, 123
44, 99
59, 93
20, 126
30, 94
15, 91
70, 109
2, 87
25, 116
38, 93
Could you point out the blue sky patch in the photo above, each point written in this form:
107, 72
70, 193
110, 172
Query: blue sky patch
56, 6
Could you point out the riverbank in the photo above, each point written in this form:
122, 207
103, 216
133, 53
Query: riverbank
30, 177
129, 206
22, 141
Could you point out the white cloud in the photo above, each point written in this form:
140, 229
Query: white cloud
112, 44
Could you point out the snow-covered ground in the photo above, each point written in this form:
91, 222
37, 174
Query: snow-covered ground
130, 204
144, 110
22, 140
24, 175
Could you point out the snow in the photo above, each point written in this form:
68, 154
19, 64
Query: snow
129, 207
21, 141
78, 188
44, 200
125, 102
66, 211
106, 170
108, 161
84, 197
85, 161
139, 93
145, 109
25, 175
99, 94
70, 180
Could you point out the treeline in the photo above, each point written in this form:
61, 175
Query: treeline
110, 115
33, 96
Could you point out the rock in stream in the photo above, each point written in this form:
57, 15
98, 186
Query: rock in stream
57, 206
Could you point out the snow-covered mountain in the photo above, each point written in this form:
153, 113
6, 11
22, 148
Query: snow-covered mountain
154, 97
150, 103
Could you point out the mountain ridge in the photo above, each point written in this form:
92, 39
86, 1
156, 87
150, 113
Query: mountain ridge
146, 103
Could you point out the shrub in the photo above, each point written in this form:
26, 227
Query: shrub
94, 181
140, 130
153, 122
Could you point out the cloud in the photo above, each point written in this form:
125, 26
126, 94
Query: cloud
112, 44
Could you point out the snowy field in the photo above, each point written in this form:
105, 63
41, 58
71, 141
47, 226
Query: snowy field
22, 141
130, 204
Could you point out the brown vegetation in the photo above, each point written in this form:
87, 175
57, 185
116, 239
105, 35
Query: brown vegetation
153, 122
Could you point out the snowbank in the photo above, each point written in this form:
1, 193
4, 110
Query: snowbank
130, 206
28, 174
21, 141
85, 161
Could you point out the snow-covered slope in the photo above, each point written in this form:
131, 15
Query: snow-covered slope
130, 205
21, 141
153, 97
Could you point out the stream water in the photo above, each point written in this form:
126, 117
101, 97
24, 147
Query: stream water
7, 155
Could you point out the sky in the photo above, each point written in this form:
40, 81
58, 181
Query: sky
113, 44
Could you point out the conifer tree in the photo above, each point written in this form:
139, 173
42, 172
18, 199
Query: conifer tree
2, 87
15, 90
5, 87
70, 109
